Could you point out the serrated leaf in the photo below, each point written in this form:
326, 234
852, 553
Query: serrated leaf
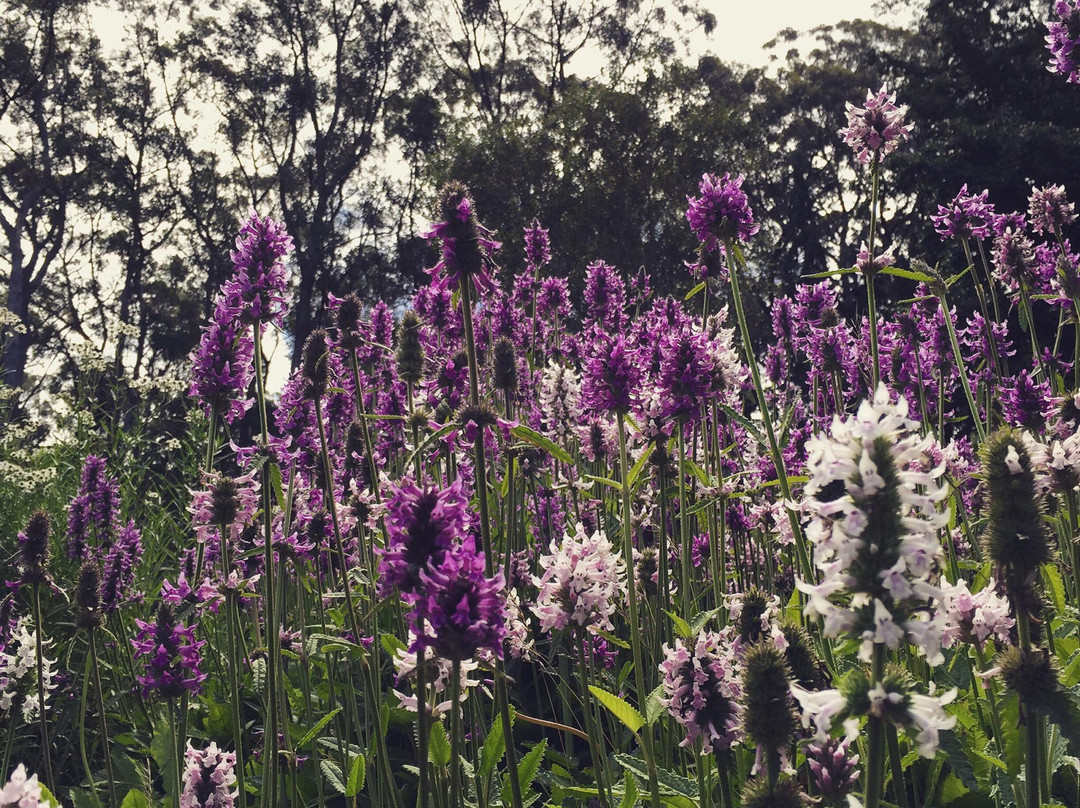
1010, 728
530, 765
1062, 707
961, 766
391, 645
630, 791
695, 291
47, 798
258, 674
631, 718
522, 432
493, 750
332, 774
653, 708
429, 439
681, 626
745, 422
635, 472
610, 483
909, 274
611, 638
670, 783
438, 746
829, 273
1056, 586
357, 776
701, 618
312, 733
276, 486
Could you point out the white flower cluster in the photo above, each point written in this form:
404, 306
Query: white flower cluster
560, 401
583, 582
26, 479
872, 493
437, 686
18, 672
1056, 464
975, 617
22, 791
10, 321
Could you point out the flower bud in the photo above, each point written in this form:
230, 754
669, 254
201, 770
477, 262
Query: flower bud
1029, 672
315, 365
34, 548
760, 793
348, 322
88, 597
801, 657
410, 352
505, 366
769, 719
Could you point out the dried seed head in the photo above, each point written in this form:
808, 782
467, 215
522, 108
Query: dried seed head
348, 322
769, 719
505, 366
88, 597
410, 351
315, 365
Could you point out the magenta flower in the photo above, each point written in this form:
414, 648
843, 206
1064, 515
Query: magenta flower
833, 767
701, 691
118, 571
95, 511
467, 246
875, 131
1049, 210
722, 211
686, 374
1014, 260
222, 366
537, 245
605, 295
257, 291
460, 612
171, 655
966, 216
422, 526
209, 778
611, 376
1062, 39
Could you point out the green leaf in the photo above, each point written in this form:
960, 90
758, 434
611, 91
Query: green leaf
391, 645
681, 626
1062, 707
134, 798
829, 273
653, 708
258, 675
494, 749
357, 776
522, 432
1010, 728
162, 745
610, 483
961, 766
631, 718
909, 274
312, 733
695, 291
428, 440
332, 774
438, 746
630, 792
1055, 585
635, 472
701, 618
611, 638
670, 783
746, 423
530, 765
276, 486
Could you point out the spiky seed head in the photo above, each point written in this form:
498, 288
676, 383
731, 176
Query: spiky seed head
754, 605
315, 365
34, 548
88, 597
410, 351
347, 321
504, 366
802, 659
1016, 539
759, 793
768, 718
1030, 672
224, 502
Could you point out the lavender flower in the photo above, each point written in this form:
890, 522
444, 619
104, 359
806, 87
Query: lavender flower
1062, 39
467, 246
34, 550
611, 376
582, 582
868, 265
686, 374
833, 767
118, 571
172, 656
701, 691
422, 526
1048, 208
23, 792
225, 502
605, 295
209, 778
722, 212
257, 291
537, 246
967, 216
461, 612
222, 366
875, 131
974, 617
95, 510
553, 298
1014, 260
1027, 403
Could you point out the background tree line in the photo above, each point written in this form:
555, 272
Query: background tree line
135, 135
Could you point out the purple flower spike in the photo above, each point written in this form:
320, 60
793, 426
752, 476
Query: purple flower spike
118, 572
209, 778
605, 295
1062, 39
967, 216
611, 377
1049, 210
223, 366
422, 526
686, 374
876, 129
701, 691
172, 656
461, 612
257, 291
95, 511
537, 245
833, 767
722, 211
467, 246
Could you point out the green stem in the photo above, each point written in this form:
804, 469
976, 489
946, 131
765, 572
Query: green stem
177, 769
96, 670
723, 774
422, 724
455, 735
595, 747
231, 621
635, 633
875, 763
82, 737
43, 723
871, 302
951, 328
896, 762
